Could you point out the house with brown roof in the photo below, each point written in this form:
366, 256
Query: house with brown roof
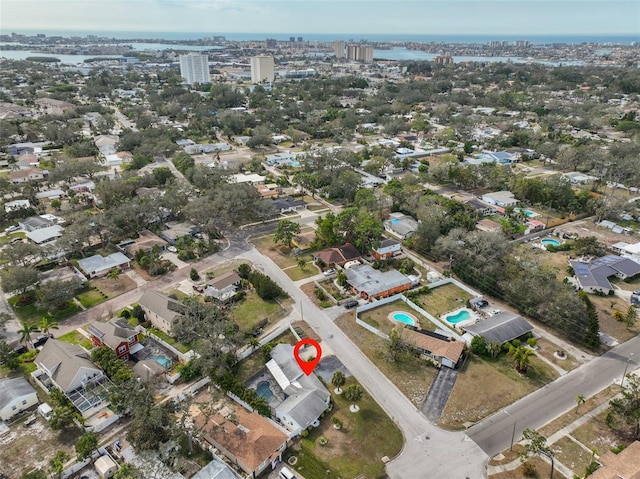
248, 440
338, 255
224, 287
488, 226
27, 174
444, 349
303, 241
160, 309
117, 335
624, 465
51, 106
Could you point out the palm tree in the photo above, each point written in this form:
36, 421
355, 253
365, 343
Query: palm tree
338, 379
353, 394
520, 355
580, 399
47, 324
25, 333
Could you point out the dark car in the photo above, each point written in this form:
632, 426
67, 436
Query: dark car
21, 350
40, 340
352, 303
482, 304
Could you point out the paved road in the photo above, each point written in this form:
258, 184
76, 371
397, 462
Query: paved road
428, 451
493, 434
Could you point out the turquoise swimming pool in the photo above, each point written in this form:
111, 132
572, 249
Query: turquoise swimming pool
264, 390
403, 318
461, 315
550, 241
163, 361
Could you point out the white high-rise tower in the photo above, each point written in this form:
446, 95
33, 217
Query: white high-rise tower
262, 70
194, 68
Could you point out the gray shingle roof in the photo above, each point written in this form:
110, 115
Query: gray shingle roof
97, 263
597, 272
13, 388
373, 282
63, 360
161, 304
114, 331
501, 328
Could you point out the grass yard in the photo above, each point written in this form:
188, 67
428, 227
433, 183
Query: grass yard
75, 337
253, 310
442, 299
333, 290
572, 455
256, 360
542, 468
597, 436
356, 450
411, 375
279, 254
484, 386
606, 307
31, 314
296, 273
378, 317
223, 268
546, 349
183, 348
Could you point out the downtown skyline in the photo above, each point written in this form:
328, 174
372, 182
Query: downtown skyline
354, 17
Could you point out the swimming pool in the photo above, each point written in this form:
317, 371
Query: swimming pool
550, 241
403, 318
462, 315
264, 390
163, 361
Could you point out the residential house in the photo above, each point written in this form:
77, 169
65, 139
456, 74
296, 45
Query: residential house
26, 160
623, 465
593, 276
224, 287
631, 251
499, 328
26, 175
500, 198
387, 249
500, 157
287, 204
305, 396
16, 395
480, 207
372, 283
117, 335
268, 190
338, 255
252, 178
444, 349
248, 440
400, 225
118, 158
160, 309
49, 195
534, 225
488, 226
304, 241
97, 265
283, 160
16, 205
216, 469
35, 222
45, 235
51, 106
106, 144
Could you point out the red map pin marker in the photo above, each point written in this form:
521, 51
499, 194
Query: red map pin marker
307, 366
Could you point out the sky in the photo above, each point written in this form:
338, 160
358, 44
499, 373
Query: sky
452, 17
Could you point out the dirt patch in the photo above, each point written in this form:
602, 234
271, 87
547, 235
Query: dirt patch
606, 306
309, 289
114, 287
546, 349
542, 468
587, 227
597, 436
24, 449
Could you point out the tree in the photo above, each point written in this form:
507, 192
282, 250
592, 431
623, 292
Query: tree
479, 345
627, 408
37, 474
521, 355
25, 333
396, 346
580, 399
537, 444
56, 465
128, 471
19, 278
285, 232
244, 271
114, 274
631, 317
353, 394
193, 274
86, 445
47, 324
338, 379
591, 336
54, 295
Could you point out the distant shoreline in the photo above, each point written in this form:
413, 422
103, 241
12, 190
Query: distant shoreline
328, 37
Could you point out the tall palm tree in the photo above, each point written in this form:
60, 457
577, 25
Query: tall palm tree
520, 355
47, 324
25, 333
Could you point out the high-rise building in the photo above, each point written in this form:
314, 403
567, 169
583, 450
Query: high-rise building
271, 42
300, 40
292, 39
360, 53
262, 70
338, 48
194, 68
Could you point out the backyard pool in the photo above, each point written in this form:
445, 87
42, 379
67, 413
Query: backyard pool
527, 213
550, 241
462, 315
264, 390
403, 318
163, 361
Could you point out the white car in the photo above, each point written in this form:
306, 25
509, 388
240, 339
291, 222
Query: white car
329, 272
172, 249
13, 228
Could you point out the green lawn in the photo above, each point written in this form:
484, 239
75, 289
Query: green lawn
169, 340
89, 297
279, 254
442, 299
74, 337
31, 314
252, 310
256, 360
356, 450
297, 273
7, 238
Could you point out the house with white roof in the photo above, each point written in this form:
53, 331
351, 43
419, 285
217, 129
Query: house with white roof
45, 235
400, 225
631, 251
500, 198
16, 395
97, 265
306, 398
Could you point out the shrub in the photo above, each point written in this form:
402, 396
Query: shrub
125, 313
304, 433
319, 294
244, 271
479, 345
326, 304
193, 274
323, 440
532, 342
529, 470
239, 296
